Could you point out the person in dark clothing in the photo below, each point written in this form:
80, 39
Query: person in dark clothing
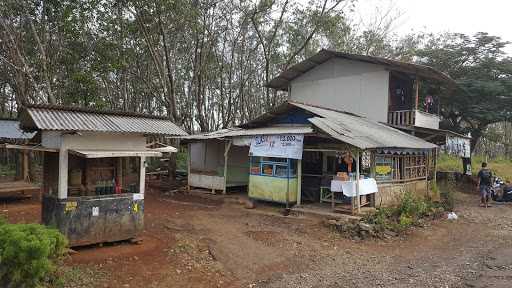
484, 185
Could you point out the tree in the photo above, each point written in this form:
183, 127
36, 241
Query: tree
483, 75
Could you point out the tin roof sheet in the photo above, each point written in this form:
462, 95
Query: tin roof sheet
10, 129
347, 127
43, 117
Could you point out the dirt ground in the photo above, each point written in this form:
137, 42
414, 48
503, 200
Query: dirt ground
213, 241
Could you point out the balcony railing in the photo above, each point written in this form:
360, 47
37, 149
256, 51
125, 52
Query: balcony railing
411, 118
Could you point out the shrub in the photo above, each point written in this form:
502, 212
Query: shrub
27, 252
407, 213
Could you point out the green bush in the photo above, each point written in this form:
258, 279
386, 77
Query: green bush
407, 213
27, 252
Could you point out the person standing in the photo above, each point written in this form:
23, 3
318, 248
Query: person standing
484, 184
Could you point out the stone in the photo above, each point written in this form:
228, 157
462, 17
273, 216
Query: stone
249, 204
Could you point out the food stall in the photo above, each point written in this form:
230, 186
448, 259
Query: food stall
274, 165
94, 169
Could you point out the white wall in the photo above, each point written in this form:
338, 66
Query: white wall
346, 85
207, 156
93, 140
90, 140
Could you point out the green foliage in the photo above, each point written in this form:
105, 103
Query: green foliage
181, 161
500, 166
7, 170
409, 212
27, 252
483, 74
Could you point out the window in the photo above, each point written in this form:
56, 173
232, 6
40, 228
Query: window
274, 167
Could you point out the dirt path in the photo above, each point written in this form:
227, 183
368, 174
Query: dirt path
191, 241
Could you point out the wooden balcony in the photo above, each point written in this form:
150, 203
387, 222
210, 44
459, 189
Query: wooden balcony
413, 118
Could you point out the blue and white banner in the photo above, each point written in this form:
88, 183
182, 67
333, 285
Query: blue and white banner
281, 146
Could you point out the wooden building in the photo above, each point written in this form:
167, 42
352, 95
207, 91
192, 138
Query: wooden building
18, 175
301, 148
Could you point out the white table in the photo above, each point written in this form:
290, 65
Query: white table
366, 186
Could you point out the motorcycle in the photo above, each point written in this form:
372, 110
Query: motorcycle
500, 192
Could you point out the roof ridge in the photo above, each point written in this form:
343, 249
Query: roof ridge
93, 111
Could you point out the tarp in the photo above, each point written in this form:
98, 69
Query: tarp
282, 146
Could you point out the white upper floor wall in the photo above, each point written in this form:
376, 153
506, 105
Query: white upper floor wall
345, 85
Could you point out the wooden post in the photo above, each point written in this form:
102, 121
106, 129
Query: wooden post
25, 166
227, 146
417, 96
287, 183
299, 181
188, 167
358, 200
120, 172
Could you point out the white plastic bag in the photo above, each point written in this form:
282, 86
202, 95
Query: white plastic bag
452, 216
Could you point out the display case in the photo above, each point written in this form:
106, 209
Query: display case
273, 179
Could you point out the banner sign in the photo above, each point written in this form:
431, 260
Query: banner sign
281, 146
458, 146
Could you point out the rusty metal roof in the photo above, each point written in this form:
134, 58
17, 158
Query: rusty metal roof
46, 117
281, 82
234, 132
10, 129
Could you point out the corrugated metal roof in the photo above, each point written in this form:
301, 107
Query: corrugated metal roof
234, 132
10, 129
347, 127
74, 119
281, 82
360, 131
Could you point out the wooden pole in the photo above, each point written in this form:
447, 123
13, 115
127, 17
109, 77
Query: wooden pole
189, 155
299, 181
358, 200
227, 146
25, 166
417, 96
119, 172
288, 183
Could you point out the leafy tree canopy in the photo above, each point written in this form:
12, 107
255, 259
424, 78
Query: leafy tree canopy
484, 80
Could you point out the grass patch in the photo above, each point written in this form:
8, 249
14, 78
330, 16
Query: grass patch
501, 167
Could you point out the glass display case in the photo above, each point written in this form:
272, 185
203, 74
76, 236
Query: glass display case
273, 179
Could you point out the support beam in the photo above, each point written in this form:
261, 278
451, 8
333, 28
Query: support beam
142, 177
299, 181
358, 198
227, 146
417, 94
119, 172
189, 156
25, 173
63, 174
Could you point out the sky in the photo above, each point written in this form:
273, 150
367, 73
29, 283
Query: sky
462, 16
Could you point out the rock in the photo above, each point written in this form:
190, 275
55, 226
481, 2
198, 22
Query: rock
366, 227
249, 204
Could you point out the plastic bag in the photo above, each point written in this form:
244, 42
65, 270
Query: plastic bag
452, 216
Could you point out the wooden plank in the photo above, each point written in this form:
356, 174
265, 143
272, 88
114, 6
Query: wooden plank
18, 186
